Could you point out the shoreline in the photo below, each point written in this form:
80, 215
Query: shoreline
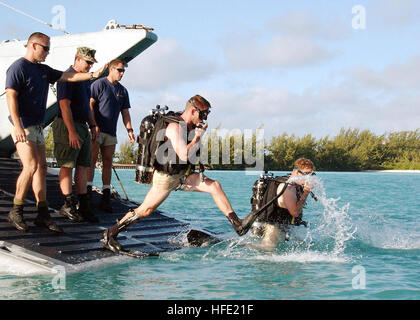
393, 171
131, 166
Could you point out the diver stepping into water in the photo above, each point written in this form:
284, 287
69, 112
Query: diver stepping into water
280, 201
177, 175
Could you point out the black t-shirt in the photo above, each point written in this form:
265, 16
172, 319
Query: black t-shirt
31, 81
79, 95
110, 100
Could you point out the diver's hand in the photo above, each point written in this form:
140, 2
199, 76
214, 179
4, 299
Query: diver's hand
307, 187
199, 131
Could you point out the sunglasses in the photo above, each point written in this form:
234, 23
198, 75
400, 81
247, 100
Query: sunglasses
90, 62
307, 173
120, 69
202, 114
46, 48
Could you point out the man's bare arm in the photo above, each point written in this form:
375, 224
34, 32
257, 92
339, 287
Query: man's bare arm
81, 76
67, 114
174, 133
289, 200
13, 106
127, 123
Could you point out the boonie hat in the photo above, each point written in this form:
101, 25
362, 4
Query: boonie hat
86, 53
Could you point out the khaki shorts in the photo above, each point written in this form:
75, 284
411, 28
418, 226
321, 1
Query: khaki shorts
106, 139
166, 182
34, 134
67, 156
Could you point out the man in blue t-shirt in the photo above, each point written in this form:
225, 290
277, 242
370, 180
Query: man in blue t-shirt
109, 99
27, 82
72, 139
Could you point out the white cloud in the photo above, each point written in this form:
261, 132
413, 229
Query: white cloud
279, 52
167, 63
396, 76
304, 24
295, 39
393, 13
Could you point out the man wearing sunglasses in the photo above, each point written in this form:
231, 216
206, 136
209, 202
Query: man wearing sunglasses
180, 137
273, 224
72, 139
27, 87
109, 99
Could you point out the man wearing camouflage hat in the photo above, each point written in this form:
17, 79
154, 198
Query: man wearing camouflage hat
72, 139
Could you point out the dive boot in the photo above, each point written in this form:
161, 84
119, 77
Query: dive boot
69, 209
15, 217
109, 235
242, 226
105, 203
89, 194
85, 210
44, 220
109, 241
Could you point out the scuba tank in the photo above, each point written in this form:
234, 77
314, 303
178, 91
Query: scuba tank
264, 191
144, 172
258, 191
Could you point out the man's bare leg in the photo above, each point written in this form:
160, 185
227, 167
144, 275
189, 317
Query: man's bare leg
107, 153
39, 181
28, 156
27, 152
65, 180
91, 170
193, 183
80, 179
152, 200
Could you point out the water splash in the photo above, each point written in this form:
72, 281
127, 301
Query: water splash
334, 222
324, 240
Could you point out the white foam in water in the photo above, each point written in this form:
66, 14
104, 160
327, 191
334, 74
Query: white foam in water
387, 236
302, 257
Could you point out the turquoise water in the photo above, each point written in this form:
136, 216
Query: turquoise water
363, 242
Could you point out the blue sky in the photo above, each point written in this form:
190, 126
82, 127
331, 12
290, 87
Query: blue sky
293, 66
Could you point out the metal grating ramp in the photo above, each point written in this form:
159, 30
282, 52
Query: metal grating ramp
80, 241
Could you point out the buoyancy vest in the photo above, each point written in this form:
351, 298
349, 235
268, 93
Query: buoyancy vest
162, 155
264, 190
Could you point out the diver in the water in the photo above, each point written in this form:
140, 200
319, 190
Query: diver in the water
274, 222
177, 175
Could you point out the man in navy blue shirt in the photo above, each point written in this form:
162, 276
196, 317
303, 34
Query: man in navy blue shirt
72, 140
27, 82
109, 99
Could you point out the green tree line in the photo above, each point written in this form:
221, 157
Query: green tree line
350, 150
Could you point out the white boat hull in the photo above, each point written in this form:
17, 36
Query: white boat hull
124, 44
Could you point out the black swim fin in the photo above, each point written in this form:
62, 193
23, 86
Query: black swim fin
197, 238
